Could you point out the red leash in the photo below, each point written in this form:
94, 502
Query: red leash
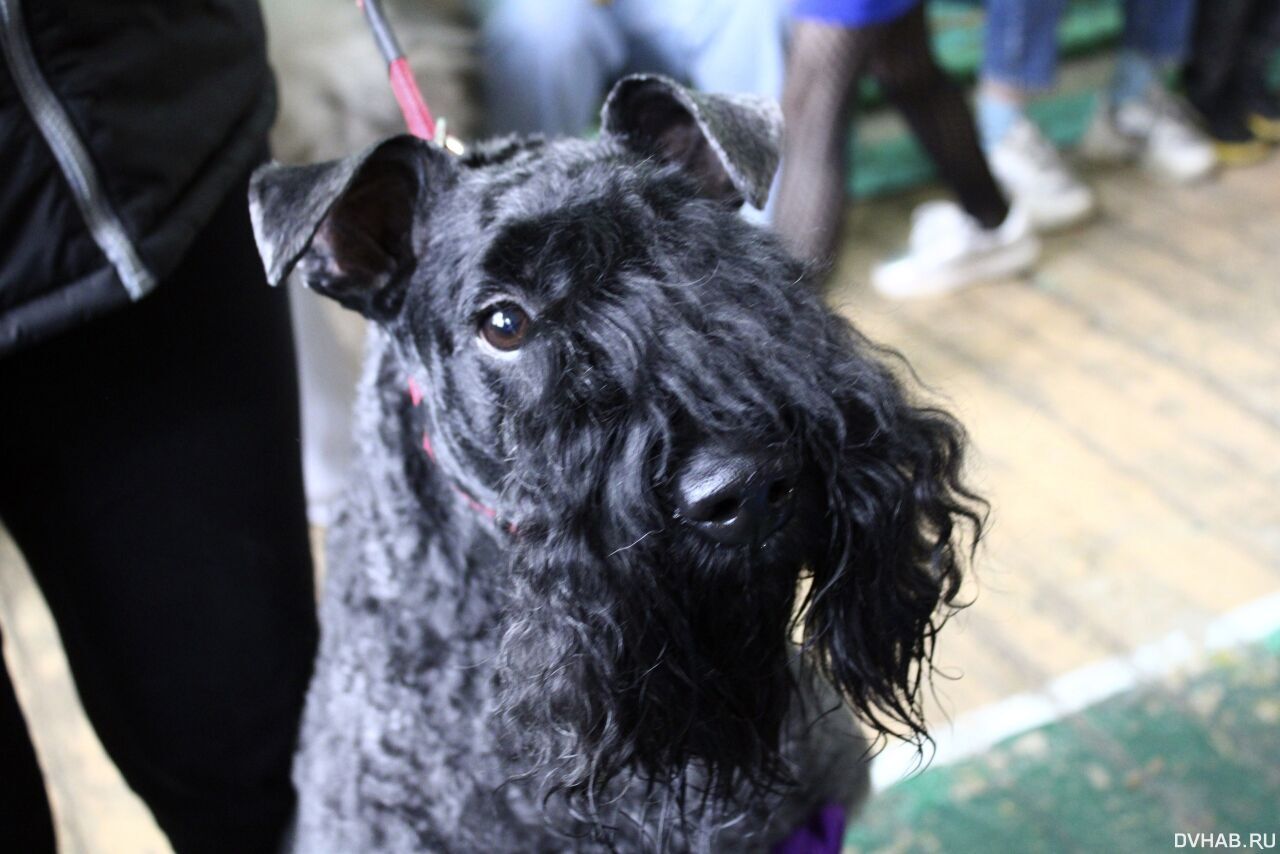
416, 115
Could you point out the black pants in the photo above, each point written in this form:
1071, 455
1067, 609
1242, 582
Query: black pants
1235, 41
150, 473
825, 68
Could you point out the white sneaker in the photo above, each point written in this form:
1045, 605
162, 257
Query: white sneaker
1155, 129
1031, 171
949, 249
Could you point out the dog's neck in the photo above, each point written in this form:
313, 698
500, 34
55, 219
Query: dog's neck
409, 499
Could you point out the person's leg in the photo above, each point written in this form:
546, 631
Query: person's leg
1139, 119
25, 822
1159, 30
546, 64
1262, 103
1215, 76
152, 481
1020, 58
1216, 51
822, 77
1264, 37
901, 59
950, 247
744, 51
714, 45
1157, 37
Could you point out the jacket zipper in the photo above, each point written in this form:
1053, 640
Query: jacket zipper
73, 159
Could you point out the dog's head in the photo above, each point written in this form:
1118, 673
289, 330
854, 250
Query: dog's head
679, 431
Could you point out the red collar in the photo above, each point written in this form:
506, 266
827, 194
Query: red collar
415, 396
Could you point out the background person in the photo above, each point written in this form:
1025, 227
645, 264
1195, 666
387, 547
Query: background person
1226, 77
1137, 118
835, 43
548, 64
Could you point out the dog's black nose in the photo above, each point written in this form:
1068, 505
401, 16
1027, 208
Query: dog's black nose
737, 498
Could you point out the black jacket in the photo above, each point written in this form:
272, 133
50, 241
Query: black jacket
123, 125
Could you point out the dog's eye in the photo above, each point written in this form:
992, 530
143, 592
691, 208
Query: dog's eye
504, 327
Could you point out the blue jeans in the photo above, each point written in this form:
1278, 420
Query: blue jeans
547, 63
1022, 37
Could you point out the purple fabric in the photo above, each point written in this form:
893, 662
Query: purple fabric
824, 834
852, 13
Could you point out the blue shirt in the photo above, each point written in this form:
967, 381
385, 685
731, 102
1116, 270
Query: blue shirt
852, 13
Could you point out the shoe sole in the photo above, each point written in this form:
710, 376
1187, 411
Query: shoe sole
1107, 152
1240, 154
1265, 129
1052, 216
1180, 177
1059, 220
1158, 171
1002, 263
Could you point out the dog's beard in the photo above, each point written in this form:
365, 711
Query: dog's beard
650, 654
663, 659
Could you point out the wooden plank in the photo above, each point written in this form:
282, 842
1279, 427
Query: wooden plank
1198, 294
1193, 228
1237, 364
1172, 429
1033, 452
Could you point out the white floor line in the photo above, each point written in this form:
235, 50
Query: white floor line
976, 731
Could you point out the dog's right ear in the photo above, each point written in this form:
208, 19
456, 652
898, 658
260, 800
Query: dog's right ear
729, 144
348, 224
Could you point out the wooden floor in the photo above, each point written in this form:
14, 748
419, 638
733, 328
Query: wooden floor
1124, 405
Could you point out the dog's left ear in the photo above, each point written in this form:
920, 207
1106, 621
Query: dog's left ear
908, 525
348, 224
730, 144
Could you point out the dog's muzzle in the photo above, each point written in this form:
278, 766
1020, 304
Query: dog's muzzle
736, 498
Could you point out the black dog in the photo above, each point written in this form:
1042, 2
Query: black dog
607, 431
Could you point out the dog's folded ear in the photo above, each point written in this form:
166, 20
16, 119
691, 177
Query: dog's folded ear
348, 224
729, 143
